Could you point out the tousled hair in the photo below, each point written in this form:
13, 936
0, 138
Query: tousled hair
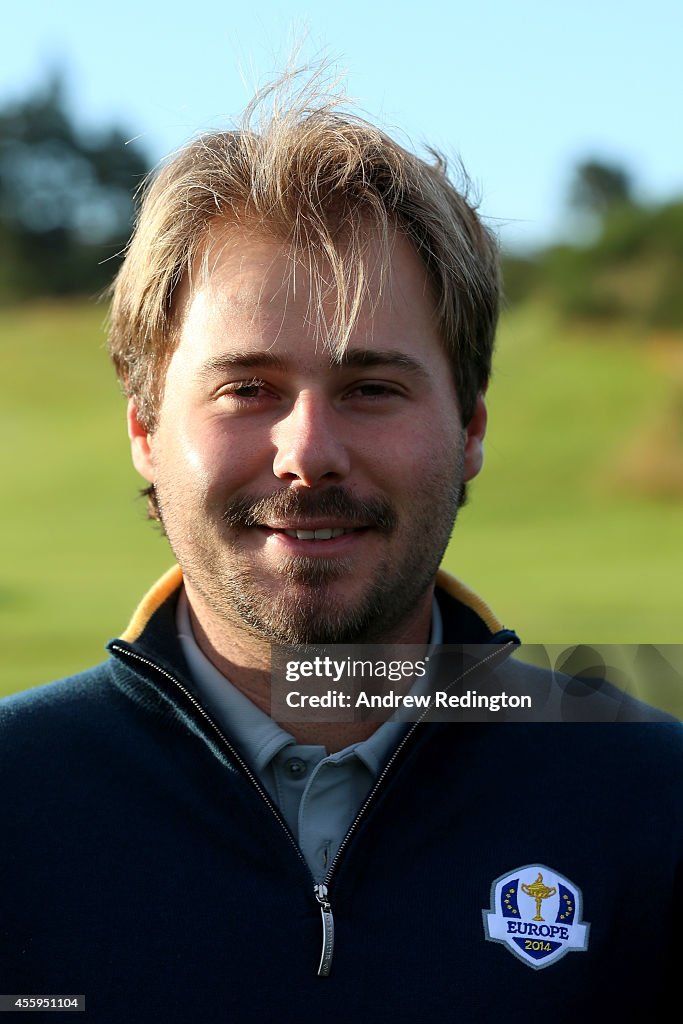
324, 182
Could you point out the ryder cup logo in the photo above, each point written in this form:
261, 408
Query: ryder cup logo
537, 914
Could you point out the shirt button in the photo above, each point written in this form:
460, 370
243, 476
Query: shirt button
296, 767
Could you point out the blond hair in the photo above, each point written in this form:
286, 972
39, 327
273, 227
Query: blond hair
323, 181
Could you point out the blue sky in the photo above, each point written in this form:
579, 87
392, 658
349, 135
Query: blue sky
521, 91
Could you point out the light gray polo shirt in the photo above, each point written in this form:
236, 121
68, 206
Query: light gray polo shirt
318, 793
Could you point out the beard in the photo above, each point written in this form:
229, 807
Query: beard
302, 606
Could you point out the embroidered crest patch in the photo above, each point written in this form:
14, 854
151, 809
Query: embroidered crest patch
537, 913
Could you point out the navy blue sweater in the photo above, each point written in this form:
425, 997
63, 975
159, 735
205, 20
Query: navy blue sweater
140, 865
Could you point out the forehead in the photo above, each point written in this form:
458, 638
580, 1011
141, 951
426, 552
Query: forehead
247, 279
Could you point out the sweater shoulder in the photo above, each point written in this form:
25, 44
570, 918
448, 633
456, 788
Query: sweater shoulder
33, 718
59, 693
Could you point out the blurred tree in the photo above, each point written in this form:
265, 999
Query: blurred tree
626, 265
597, 188
66, 202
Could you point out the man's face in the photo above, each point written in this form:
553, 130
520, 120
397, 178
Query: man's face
307, 499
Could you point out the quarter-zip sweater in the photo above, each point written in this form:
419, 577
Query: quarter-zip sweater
143, 865
318, 793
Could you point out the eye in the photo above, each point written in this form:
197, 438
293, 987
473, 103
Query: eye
247, 388
373, 389
242, 389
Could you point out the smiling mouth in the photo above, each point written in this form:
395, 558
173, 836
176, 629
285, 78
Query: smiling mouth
323, 533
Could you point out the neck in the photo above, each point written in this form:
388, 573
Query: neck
246, 661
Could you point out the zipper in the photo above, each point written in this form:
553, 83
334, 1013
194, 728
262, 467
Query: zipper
325, 964
320, 889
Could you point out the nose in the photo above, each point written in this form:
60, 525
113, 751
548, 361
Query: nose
308, 443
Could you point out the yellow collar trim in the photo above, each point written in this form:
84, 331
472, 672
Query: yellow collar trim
173, 579
152, 600
462, 593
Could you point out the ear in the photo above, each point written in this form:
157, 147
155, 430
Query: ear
140, 443
475, 431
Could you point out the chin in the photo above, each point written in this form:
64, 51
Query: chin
305, 612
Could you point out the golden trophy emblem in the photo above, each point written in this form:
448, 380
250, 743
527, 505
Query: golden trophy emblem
538, 892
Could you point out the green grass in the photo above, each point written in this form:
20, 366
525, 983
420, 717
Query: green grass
76, 549
557, 551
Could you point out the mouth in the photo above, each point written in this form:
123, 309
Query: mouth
309, 532
312, 538
324, 534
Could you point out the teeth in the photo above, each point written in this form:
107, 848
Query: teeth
325, 534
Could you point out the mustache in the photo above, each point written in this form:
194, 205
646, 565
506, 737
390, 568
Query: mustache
335, 502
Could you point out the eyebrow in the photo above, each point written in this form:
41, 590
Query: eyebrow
375, 357
351, 358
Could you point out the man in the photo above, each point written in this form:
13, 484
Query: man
304, 325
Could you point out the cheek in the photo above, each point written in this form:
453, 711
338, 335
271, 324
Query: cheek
222, 461
421, 447
183, 462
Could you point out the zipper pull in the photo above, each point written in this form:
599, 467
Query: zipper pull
328, 931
